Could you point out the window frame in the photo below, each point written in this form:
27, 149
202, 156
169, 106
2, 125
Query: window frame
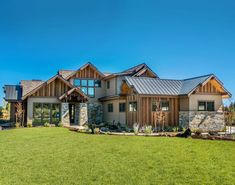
206, 105
159, 107
41, 117
122, 107
133, 108
110, 107
88, 86
108, 84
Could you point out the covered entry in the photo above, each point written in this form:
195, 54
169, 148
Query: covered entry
74, 107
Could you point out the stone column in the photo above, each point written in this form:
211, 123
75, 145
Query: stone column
65, 119
83, 114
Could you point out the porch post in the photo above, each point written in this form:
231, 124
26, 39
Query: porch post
65, 119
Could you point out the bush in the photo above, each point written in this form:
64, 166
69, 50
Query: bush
96, 131
17, 125
47, 125
60, 124
29, 125
136, 127
148, 129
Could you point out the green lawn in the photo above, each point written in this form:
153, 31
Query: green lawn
58, 156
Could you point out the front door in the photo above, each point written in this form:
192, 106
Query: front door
72, 114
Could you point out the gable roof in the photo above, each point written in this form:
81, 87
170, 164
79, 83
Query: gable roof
135, 71
83, 67
29, 85
79, 91
65, 73
29, 93
153, 86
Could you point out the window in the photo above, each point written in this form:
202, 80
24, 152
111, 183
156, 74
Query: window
97, 83
83, 83
91, 92
163, 105
206, 106
46, 113
133, 106
77, 82
110, 107
108, 84
155, 106
91, 83
88, 86
122, 107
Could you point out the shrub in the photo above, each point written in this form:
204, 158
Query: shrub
47, 124
29, 125
17, 125
197, 132
148, 129
60, 124
136, 127
175, 129
96, 131
168, 129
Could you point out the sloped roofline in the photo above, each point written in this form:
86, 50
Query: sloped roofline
46, 83
71, 91
83, 67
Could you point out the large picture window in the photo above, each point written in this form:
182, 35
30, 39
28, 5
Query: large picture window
206, 106
88, 86
46, 113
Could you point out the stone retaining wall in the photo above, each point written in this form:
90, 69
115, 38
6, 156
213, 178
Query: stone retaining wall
206, 121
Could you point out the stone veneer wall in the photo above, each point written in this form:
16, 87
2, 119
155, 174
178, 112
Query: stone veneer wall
206, 121
65, 120
95, 113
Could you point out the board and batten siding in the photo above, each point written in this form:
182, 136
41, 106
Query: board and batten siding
145, 116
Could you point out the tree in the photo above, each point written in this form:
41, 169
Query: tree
19, 113
1, 111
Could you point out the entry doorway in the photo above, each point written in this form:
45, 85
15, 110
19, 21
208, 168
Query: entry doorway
72, 114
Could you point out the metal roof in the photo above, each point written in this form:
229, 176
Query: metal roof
154, 86
13, 92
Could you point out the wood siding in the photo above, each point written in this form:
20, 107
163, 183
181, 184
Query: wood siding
87, 73
208, 88
145, 116
54, 89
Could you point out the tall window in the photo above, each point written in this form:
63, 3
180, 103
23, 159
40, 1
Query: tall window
133, 106
88, 86
122, 107
46, 113
110, 107
108, 84
206, 106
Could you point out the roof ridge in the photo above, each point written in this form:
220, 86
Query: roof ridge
211, 74
154, 78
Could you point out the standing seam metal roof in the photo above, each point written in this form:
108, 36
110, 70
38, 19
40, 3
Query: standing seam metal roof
155, 86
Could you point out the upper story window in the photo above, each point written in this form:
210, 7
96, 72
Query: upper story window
206, 106
88, 86
108, 84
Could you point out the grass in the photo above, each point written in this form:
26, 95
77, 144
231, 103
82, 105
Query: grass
58, 156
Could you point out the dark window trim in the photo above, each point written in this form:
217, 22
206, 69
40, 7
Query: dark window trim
87, 85
206, 108
120, 108
110, 107
41, 107
133, 102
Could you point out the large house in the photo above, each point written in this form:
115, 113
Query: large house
135, 95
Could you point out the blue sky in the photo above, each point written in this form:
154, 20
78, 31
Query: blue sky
178, 39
